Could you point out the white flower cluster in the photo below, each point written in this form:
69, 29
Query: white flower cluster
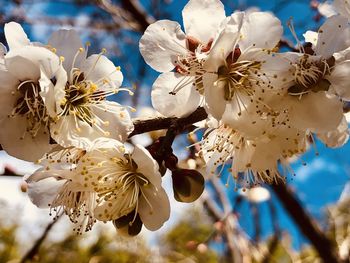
54, 111
264, 106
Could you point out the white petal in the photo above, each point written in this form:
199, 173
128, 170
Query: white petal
9, 84
336, 138
332, 36
260, 29
340, 79
67, 44
43, 192
327, 9
183, 103
15, 35
25, 63
147, 165
343, 7
311, 37
68, 131
318, 112
225, 42
161, 44
214, 95
29, 149
53, 95
201, 18
154, 217
99, 68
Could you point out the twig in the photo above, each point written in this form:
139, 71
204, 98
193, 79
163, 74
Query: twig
142, 126
35, 248
322, 244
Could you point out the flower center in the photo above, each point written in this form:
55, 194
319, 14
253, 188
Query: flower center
79, 94
238, 77
309, 75
118, 185
30, 105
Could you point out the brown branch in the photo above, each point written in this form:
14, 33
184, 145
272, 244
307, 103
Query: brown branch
142, 126
29, 256
322, 244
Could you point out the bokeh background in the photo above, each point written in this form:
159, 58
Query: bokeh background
222, 226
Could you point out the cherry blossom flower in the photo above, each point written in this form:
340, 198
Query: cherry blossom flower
316, 74
165, 47
24, 115
255, 150
242, 66
57, 186
80, 90
125, 183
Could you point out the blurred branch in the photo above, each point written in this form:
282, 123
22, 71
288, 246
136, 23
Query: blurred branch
322, 244
29, 256
130, 15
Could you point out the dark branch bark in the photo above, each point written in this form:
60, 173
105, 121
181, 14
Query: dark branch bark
29, 256
183, 123
321, 243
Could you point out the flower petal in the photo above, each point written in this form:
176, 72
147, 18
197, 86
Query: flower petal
15, 35
25, 62
162, 43
340, 78
184, 102
343, 7
112, 120
68, 45
336, 138
225, 41
147, 165
260, 29
28, 148
214, 95
43, 192
318, 112
154, 216
99, 69
332, 36
201, 18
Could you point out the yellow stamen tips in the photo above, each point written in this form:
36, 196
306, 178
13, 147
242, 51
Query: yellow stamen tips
132, 109
104, 51
54, 50
63, 101
81, 49
107, 133
105, 81
61, 58
122, 148
106, 123
37, 161
87, 43
78, 129
134, 87
122, 115
55, 132
117, 68
93, 87
131, 93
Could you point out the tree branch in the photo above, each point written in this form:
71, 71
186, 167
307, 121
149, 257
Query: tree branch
322, 244
29, 256
142, 126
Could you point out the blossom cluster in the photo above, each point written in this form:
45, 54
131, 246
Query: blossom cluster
54, 111
264, 107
